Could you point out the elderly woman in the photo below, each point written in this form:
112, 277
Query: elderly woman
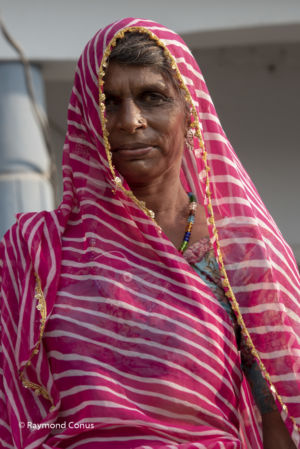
158, 306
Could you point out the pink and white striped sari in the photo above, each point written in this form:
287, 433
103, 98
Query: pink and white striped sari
109, 338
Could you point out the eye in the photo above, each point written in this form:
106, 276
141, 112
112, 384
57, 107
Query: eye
111, 101
154, 98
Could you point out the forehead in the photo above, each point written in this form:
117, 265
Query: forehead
119, 77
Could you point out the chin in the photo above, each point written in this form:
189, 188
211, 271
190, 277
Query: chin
138, 172
141, 180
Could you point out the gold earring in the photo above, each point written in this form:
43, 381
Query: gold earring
189, 138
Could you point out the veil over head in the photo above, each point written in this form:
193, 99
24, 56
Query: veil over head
118, 240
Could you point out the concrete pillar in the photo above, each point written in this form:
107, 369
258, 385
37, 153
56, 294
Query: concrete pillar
24, 160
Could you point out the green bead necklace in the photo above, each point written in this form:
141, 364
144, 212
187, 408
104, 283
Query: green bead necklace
190, 222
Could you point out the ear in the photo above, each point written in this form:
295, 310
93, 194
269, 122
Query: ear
187, 125
187, 118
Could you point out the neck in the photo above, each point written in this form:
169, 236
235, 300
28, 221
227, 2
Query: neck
166, 200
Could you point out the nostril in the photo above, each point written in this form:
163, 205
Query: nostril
131, 118
142, 122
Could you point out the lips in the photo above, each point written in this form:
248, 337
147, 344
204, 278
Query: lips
131, 146
133, 149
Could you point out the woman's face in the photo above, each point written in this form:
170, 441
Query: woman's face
146, 121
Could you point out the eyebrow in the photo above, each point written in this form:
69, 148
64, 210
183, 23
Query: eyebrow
159, 85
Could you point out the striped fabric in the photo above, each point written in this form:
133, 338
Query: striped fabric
107, 330
143, 361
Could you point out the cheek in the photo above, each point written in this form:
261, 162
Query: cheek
110, 122
175, 128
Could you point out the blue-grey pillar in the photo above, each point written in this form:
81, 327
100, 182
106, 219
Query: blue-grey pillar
24, 160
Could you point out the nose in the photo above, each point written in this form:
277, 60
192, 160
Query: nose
130, 117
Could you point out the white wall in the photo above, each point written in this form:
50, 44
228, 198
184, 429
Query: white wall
58, 29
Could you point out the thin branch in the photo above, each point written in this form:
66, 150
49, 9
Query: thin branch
40, 116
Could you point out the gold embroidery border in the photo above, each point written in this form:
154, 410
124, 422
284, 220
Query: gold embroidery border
42, 308
101, 74
211, 219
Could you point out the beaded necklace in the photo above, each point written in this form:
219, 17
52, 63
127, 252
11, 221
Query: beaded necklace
190, 222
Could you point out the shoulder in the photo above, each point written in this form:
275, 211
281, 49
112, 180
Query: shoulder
32, 236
